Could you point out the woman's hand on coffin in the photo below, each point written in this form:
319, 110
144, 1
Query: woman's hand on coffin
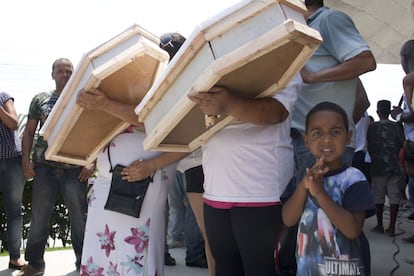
307, 76
138, 170
216, 101
91, 99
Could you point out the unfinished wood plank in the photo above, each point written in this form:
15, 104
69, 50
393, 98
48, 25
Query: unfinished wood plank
253, 48
124, 68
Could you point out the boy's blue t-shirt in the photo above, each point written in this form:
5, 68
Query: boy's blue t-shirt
321, 248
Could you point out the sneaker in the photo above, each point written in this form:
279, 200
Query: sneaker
168, 260
201, 263
28, 270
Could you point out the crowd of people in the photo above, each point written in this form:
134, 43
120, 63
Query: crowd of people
283, 190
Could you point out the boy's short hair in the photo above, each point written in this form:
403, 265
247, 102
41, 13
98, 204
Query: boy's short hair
384, 107
328, 106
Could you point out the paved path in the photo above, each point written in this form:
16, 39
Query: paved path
387, 255
62, 263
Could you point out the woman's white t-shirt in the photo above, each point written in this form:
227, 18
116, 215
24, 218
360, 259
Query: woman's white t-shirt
248, 163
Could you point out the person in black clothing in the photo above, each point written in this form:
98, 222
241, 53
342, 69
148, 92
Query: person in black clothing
385, 140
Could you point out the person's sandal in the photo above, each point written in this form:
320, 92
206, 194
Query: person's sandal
13, 264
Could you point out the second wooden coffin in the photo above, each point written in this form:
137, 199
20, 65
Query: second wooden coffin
124, 68
254, 48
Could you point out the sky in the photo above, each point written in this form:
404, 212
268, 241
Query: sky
35, 33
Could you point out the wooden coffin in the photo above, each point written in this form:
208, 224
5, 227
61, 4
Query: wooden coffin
124, 68
253, 48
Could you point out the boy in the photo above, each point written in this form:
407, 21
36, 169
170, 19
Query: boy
385, 140
331, 202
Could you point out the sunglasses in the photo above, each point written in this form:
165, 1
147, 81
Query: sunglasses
166, 40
